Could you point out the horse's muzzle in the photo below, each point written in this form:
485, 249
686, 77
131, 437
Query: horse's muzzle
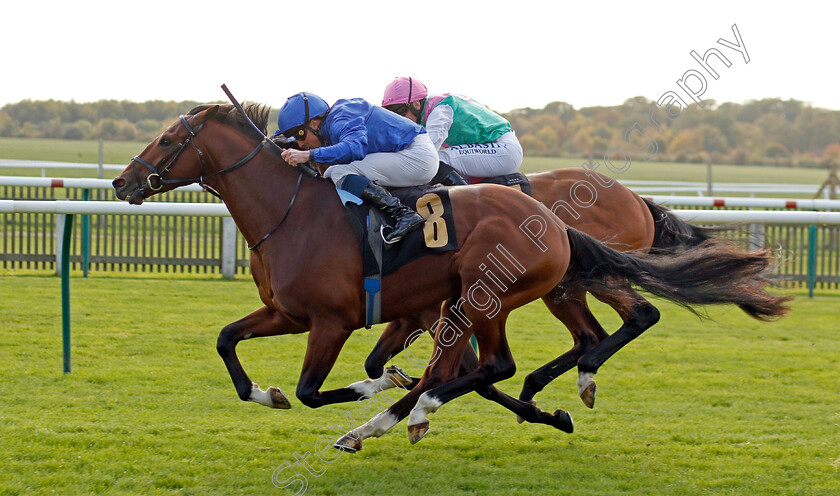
125, 191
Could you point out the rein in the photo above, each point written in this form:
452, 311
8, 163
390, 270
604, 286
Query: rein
288, 209
169, 161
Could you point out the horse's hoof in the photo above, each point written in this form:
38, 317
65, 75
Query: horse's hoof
397, 376
520, 419
563, 421
417, 431
278, 399
588, 395
348, 443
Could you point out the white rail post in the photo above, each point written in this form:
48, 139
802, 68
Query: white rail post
757, 236
228, 248
60, 219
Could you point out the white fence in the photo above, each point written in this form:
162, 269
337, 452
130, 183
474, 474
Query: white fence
642, 187
150, 237
220, 210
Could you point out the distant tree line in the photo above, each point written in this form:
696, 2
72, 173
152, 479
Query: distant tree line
107, 119
769, 131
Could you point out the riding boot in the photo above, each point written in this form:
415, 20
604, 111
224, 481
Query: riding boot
448, 176
404, 218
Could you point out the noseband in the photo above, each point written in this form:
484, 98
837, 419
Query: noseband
155, 181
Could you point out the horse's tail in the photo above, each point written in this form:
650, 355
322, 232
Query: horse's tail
709, 273
671, 234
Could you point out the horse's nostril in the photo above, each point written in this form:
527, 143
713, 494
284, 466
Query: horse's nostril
118, 182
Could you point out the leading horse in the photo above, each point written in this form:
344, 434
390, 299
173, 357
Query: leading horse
309, 276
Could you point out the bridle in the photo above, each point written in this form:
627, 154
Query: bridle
166, 164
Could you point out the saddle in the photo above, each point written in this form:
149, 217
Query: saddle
516, 180
437, 235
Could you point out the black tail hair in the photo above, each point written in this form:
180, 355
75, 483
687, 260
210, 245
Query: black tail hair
709, 273
672, 234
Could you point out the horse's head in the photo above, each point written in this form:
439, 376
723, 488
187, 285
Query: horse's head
171, 160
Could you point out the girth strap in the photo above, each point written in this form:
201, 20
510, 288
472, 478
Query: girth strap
373, 283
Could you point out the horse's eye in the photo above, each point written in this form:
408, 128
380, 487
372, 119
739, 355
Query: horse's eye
165, 141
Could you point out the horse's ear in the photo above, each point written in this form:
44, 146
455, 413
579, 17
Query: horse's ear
203, 114
212, 111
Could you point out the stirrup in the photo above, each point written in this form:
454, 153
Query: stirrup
385, 237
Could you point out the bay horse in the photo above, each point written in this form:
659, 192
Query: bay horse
614, 215
305, 263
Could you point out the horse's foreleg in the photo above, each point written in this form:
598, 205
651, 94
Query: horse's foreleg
395, 338
261, 323
390, 343
322, 348
393, 377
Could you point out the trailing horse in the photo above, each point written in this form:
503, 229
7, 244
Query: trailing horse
612, 214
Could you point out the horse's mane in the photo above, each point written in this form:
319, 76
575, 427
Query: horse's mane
258, 113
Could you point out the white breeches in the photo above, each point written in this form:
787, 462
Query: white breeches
416, 164
503, 156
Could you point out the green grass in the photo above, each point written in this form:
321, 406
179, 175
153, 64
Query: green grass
728, 406
120, 152
81, 151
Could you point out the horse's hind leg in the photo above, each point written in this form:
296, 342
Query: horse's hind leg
261, 323
393, 341
449, 345
638, 315
573, 311
525, 411
498, 365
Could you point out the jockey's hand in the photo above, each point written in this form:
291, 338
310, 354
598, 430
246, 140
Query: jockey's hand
294, 157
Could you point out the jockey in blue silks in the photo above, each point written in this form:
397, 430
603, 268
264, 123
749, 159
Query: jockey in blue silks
361, 143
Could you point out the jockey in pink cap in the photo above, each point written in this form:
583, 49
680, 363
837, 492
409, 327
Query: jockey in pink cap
470, 138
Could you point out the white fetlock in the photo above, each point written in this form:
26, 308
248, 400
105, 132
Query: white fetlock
380, 424
272, 397
260, 396
584, 380
393, 377
587, 389
425, 405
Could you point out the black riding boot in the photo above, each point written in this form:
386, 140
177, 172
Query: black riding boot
404, 218
448, 176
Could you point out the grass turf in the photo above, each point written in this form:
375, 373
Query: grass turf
727, 406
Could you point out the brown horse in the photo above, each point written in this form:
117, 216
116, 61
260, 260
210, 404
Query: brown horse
283, 215
608, 212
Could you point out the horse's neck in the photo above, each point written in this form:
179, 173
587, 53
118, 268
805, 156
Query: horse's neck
260, 193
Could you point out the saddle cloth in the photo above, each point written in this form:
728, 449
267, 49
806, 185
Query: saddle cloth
436, 236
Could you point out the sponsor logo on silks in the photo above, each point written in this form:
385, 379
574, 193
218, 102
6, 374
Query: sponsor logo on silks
478, 148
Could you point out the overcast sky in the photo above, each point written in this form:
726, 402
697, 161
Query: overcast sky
507, 55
